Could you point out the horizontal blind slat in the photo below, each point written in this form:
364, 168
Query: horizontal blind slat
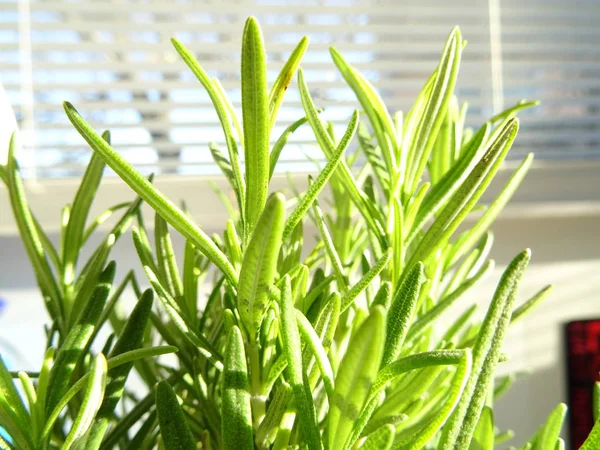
117, 66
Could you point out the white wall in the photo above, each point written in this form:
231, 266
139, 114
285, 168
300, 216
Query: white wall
566, 254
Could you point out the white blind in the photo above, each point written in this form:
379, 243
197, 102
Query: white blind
114, 62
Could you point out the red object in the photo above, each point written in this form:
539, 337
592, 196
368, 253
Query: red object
583, 368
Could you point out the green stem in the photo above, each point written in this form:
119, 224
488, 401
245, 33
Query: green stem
258, 398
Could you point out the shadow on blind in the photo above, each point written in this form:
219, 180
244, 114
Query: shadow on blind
114, 62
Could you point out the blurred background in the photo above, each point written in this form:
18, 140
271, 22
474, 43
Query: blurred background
114, 62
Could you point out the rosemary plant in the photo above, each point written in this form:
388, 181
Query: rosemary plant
334, 343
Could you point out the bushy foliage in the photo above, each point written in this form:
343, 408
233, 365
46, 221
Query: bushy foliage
338, 342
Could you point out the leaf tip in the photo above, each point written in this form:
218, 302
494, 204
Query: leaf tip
278, 200
378, 314
304, 42
252, 28
335, 54
108, 275
163, 390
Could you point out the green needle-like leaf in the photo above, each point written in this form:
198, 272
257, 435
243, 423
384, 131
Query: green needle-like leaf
90, 406
531, 304
235, 408
174, 429
191, 275
593, 440
232, 244
374, 158
255, 112
401, 313
469, 238
374, 108
438, 196
549, 434
429, 318
196, 339
89, 276
384, 295
279, 405
79, 213
380, 439
467, 195
9, 392
117, 361
483, 438
18, 430
285, 78
325, 324
167, 209
293, 355
486, 354
77, 340
368, 211
222, 110
131, 338
512, 111
165, 256
223, 163
435, 109
334, 257
102, 218
142, 247
281, 142
30, 394
3, 175
403, 365
456, 390
313, 341
355, 377
259, 264
30, 237
319, 183
413, 362
366, 279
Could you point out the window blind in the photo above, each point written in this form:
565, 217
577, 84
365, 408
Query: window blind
114, 62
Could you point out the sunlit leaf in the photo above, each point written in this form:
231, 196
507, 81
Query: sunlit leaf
235, 409
355, 377
90, 406
259, 264
255, 111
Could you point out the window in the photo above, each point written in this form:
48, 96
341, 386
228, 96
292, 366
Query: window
114, 62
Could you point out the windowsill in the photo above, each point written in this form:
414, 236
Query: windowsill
550, 190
